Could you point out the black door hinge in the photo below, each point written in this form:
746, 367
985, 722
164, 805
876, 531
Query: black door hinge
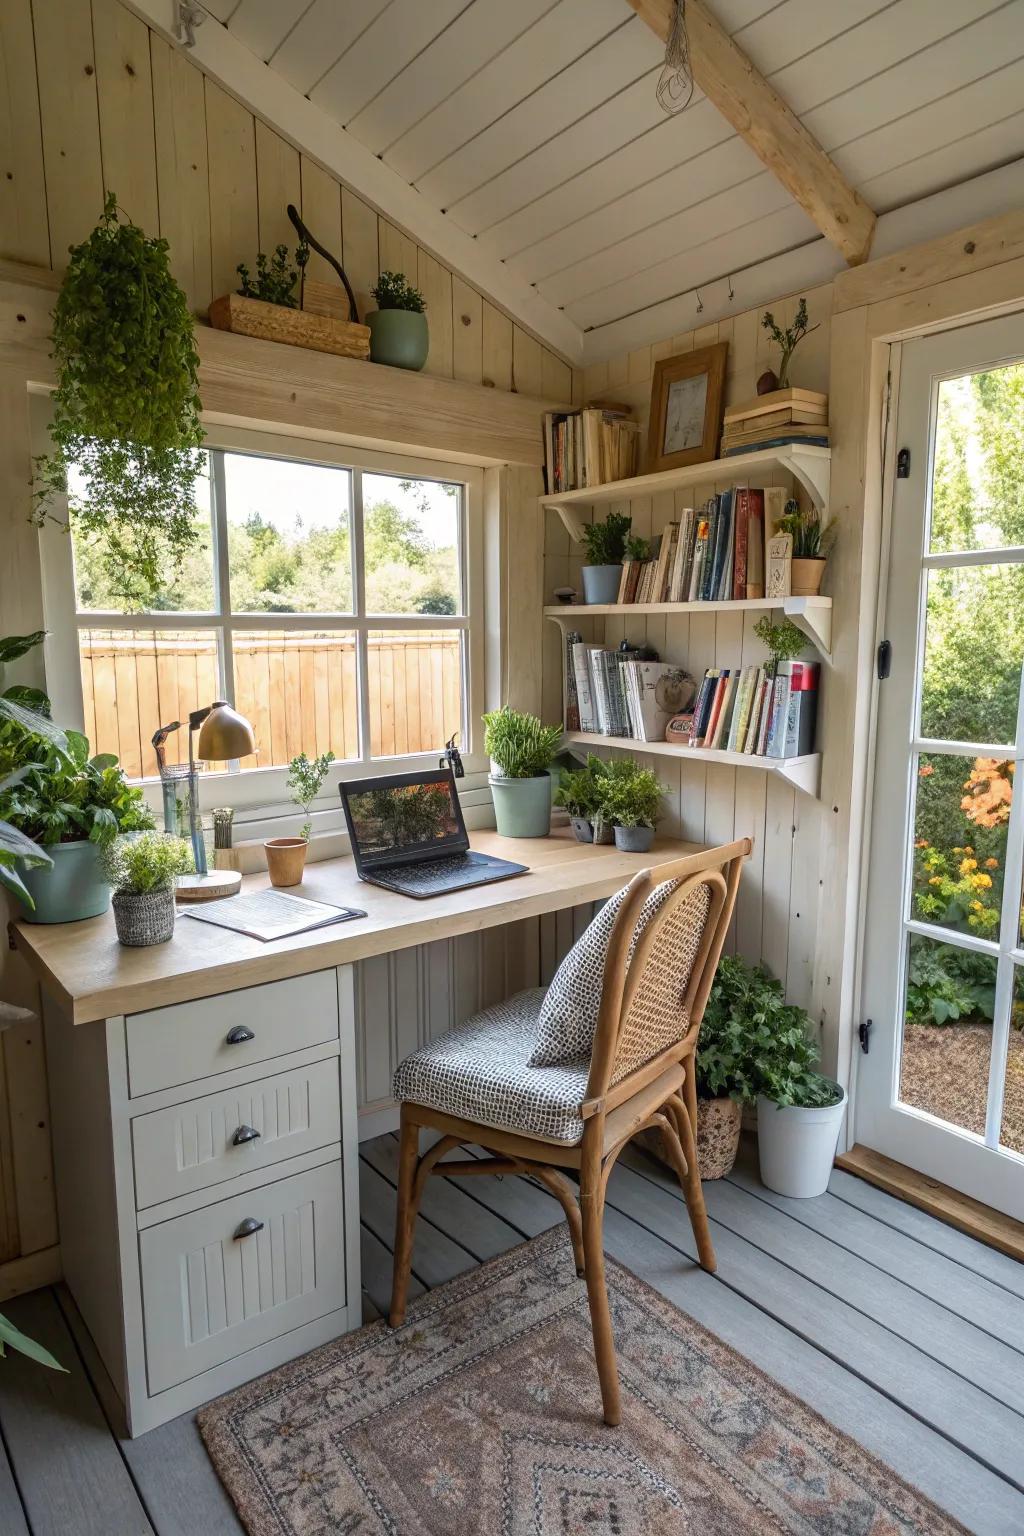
864, 1035
903, 464
884, 659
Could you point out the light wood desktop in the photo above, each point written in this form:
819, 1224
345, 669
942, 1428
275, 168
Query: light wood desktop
203, 1105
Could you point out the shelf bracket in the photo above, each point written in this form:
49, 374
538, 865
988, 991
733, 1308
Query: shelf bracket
804, 773
814, 474
815, 622
571, 521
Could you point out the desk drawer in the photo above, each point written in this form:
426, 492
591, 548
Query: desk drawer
187, 1041
207, 1141
209, 1294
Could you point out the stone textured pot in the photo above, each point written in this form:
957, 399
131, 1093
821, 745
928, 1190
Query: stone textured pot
522, 807
144, 917
582, 829
399, 338
601, 583
796, 1147
286, 859
603, 831
806, 577
634, 839
73, 889
718, 1138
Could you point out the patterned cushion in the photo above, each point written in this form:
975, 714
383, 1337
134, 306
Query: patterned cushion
481, 1070
568, 1015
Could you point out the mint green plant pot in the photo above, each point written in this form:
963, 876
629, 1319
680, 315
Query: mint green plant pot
522, 807
399, 338
73, 889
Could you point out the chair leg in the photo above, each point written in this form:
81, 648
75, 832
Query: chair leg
405, 1219
558, 1185
694, 1194
592, 1210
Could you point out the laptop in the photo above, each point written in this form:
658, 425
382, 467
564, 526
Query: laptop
408, 835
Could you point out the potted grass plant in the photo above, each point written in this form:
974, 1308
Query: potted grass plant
811, 544
521, 750
630, 798
142, 871
398, 327
605, 545
286, 856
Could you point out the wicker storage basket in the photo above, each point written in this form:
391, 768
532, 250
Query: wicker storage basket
718, 1138
271, 322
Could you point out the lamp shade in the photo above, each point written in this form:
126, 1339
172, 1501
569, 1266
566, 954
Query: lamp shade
224, 734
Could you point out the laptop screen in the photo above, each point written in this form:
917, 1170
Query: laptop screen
394, 819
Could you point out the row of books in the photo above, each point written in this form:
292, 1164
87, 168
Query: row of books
589, 447
759, 711
713, 553
768, 421
615, 694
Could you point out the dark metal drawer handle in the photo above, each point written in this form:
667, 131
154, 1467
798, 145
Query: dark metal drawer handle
247, 1227
243, 1134
239, 1035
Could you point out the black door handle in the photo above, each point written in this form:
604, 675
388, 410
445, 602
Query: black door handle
247, 1227
243, 1134
239, 1035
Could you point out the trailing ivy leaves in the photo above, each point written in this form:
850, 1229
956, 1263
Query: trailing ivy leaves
753, 1042
126, 407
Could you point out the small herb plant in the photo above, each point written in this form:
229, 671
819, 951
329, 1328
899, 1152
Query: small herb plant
151, 862
578, 791
519, 745
784, 640
126, 408
59, 794
789, 339
810, 540
605, 542
628, 795
637, 548
753, 1042
393, 291
305, 780
276, 277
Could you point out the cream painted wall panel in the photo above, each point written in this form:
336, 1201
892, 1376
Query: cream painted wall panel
526, 363
360, 241
182, 169
322, 35
497, 348
398, 253
468, 326
24, 233
435, 283
278, 183
125, 90
234, 215
321, 213
66, 65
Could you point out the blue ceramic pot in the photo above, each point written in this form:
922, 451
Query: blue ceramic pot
73, 889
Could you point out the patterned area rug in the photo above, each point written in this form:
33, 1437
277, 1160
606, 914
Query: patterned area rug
482, 1415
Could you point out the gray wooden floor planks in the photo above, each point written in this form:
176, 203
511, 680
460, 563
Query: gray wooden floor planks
901, 1331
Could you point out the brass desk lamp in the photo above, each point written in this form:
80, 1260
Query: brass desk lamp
223, 734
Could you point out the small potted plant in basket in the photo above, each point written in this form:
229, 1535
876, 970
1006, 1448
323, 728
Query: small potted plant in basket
630, 798
398, 327
811, 544
521, 749
142, 871
605, 545
286, 856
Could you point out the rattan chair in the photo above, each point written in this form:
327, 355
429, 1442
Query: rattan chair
640, 1077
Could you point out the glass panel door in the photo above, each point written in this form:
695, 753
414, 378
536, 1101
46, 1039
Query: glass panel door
942, 1086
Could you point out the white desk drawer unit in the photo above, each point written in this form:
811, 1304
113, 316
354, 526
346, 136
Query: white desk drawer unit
205, 1142
186, 1042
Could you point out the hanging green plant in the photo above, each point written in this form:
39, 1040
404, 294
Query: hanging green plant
126, 407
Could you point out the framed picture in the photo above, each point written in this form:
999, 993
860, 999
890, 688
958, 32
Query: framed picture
686, 408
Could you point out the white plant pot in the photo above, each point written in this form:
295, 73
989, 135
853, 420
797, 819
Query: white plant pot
797, 1147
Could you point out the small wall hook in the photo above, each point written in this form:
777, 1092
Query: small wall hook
189, 17
729, 281
700, 302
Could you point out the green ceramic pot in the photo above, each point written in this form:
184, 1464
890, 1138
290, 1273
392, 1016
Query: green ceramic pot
522, 807
74, 888
399, 338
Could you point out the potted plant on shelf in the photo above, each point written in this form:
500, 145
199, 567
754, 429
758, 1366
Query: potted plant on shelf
142, 871
577, 793
787, 341
267, 305
811, 544
521, 749
605, 545
630, 798
398, 327
286, 856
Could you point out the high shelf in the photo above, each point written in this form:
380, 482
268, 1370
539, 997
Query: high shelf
803, 772
811, 614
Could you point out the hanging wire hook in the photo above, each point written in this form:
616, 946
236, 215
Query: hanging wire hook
675, 86
700, 302
729, 281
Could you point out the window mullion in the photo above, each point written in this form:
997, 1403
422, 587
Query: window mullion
359, 595
222, 572
1009, 939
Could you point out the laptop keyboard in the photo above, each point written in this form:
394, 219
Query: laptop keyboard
437, 874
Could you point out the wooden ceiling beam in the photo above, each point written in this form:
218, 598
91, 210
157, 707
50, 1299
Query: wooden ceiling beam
776, 135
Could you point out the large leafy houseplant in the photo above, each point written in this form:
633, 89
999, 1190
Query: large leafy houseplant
754, 1044
66, 796
23, 710
125, 431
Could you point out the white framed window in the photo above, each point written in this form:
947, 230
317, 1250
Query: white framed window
334, 597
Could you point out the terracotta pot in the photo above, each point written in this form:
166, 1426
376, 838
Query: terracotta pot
718, 1138
286, 859
806, 579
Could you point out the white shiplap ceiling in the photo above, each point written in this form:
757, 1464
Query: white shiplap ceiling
532, 125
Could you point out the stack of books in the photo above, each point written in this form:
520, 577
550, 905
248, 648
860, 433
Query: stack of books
713, 553
769, 421
759, 711
622, 695
589, 447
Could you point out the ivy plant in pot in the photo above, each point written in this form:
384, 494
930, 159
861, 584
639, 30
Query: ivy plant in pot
630, 798
398, 327
605, 546
811, 544
143, 871
521, 749
286, 856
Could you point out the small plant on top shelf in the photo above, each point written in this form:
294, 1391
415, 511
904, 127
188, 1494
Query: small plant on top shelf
605, 545
637, 548
789, 339
399, 335
275, 277
784, 640
392, 290
811, 543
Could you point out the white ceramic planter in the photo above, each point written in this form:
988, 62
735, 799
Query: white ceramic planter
797, 1147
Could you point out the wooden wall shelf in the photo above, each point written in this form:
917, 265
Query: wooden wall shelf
803, 772
811, 614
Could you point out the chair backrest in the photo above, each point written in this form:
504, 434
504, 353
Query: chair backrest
653, 1000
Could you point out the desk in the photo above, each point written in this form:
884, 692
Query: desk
203, 1101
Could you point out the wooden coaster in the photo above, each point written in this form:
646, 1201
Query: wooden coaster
218, 883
